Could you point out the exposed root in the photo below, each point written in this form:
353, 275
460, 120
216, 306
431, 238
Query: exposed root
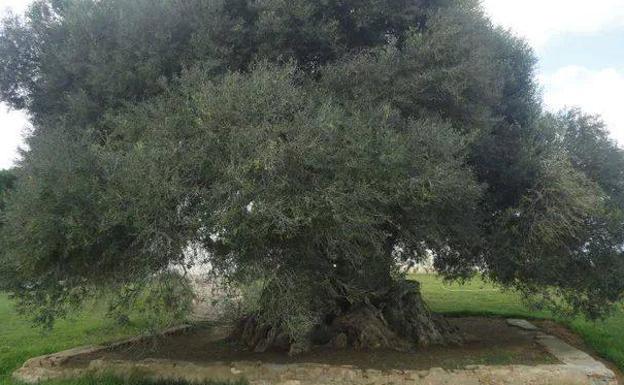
400, 321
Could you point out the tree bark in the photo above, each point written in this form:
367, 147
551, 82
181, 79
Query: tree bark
398, 320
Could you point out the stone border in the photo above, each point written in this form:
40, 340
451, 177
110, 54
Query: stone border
49, 367
576, 368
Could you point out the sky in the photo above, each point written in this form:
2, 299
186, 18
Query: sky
580, 47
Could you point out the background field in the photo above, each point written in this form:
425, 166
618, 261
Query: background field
20, 341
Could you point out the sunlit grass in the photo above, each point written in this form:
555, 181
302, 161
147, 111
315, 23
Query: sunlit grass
19, 340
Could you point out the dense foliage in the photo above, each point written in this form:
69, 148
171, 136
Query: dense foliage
7, 181
308, 145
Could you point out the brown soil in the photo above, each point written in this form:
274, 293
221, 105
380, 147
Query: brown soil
488, 342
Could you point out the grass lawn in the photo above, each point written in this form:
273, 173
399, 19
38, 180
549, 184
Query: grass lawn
20, 341
478, 298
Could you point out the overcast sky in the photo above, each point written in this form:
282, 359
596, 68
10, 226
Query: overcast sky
580, 46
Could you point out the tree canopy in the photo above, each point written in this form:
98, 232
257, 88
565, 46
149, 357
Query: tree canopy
310, 145
7, 180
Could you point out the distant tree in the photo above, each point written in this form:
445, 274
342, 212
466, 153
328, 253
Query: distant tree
304, 146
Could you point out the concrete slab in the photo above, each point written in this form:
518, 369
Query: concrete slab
522, 324
573, 357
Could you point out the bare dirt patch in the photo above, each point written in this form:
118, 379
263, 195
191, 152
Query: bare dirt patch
488, 342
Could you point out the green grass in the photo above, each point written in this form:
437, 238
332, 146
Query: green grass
479, 298
20, 341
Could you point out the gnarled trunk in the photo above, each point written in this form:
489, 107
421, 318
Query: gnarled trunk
399, 320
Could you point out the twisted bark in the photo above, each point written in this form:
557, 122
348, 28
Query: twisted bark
400, 320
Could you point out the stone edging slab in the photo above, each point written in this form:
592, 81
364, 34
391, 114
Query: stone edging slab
49, 367
577, 368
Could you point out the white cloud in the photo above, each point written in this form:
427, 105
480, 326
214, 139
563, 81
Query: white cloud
18, 6
597, 92
13, 126
542, 20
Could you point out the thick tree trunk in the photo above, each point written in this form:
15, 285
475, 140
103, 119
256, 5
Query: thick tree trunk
399, 320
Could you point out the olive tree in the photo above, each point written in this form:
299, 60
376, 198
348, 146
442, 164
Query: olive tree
307, 147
